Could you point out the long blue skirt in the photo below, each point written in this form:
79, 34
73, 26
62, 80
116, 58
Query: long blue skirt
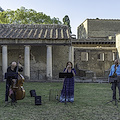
67, 92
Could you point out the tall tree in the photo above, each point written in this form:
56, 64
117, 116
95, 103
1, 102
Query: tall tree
1, 10
28, 16
3, 17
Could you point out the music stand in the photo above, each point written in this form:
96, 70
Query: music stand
112, 80
11, 75
65, 75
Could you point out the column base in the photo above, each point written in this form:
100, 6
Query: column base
27, 78
3, 78
49, 78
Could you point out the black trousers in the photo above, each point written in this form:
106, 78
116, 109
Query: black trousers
113, 87
8, 84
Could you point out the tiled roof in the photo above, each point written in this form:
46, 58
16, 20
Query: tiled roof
49, 32
94, 41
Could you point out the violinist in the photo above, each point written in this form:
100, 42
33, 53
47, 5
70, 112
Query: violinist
11, 69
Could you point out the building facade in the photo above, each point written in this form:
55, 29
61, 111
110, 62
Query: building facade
98, 28
45, 49
95, 48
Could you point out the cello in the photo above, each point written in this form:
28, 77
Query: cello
17, 86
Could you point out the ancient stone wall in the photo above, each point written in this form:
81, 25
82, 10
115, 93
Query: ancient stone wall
103, 28
60, 56
38, 61
98, 28
97, 60
82, 30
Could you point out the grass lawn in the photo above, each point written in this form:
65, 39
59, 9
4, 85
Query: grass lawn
90, 103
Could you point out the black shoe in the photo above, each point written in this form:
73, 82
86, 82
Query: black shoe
114, 99
6, 102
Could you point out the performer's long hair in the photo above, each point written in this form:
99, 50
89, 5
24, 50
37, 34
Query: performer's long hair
70, 63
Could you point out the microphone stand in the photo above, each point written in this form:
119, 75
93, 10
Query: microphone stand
116, 102
113, 80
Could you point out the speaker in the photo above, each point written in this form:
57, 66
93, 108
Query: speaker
37, 100
32, 93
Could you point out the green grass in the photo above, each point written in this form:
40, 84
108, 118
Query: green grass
90, 103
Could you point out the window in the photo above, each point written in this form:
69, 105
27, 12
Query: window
113, 56
100, 57
84, 56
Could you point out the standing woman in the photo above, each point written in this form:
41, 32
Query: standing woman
68, 84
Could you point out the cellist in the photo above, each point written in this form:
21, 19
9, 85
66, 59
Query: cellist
11, 69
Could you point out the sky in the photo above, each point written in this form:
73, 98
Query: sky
77, 10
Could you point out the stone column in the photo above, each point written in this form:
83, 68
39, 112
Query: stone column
27, 62
118, 46
71, 54
49, 62
4, 60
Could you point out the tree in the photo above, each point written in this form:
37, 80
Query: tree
1, 10
66, 21
27, 16
3, 18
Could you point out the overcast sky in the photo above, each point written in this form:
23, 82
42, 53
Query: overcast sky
77, 10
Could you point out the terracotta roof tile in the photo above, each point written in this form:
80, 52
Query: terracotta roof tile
17, 31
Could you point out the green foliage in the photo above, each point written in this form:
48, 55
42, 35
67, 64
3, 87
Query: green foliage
26, 16
1, 10
3, 17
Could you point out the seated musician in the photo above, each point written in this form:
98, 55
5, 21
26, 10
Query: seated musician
11, 69
115, 72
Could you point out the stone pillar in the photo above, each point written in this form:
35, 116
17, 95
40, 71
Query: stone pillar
71, 54
49, 62
118, 46
27, 62
4, 60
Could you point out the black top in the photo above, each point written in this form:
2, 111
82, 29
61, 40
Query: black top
10, 70
12, 74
